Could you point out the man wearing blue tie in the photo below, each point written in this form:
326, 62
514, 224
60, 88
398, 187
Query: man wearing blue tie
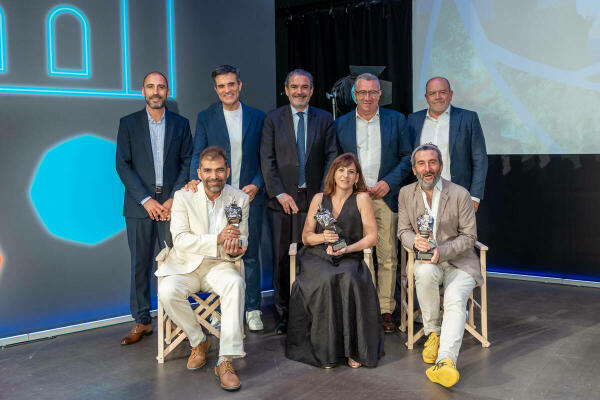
297, 147
235, 127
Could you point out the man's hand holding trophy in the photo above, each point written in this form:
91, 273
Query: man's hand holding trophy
233, 213
424, 242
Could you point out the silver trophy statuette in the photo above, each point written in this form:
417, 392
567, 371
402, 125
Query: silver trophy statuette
425, 226
324, 218
233, 213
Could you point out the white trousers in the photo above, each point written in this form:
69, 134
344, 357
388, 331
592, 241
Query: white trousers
221, 278
458, 285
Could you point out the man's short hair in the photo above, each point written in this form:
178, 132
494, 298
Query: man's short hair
299, 72
155, 72
225, 69
213, 153
367, 76
438, 77
424, 147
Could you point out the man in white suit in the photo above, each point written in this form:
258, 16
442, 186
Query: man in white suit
204, 250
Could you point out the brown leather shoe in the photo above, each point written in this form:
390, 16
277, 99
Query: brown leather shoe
136, 333
198, 357
227, 376
388, 323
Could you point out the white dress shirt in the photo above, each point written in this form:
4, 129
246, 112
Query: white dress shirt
157, 140
233, 119
435, 204
368, 147
212, 210
437, 131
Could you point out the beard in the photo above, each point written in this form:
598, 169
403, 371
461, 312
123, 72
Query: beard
429, 186
216, 187
155, 106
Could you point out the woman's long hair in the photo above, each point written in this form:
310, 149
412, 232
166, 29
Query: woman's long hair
343, 160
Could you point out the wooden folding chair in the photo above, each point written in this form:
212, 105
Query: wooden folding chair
170, 335
408, 314
368, 254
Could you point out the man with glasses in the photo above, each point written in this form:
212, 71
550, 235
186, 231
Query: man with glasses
379, 138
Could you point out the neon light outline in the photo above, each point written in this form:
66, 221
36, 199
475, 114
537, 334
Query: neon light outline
3, 51
126, 91
84, 72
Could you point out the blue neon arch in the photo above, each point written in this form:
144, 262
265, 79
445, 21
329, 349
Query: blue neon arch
2, 42
84, 72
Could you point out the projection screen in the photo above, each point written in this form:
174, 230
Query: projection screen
531, 69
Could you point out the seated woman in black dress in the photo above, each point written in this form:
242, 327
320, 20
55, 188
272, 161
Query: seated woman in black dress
334, 309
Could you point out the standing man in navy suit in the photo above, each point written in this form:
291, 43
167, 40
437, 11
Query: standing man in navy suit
154, 147
237, 128
457, 133
379, 138
297, 147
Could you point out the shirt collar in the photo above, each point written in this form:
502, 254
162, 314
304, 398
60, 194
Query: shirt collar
294, 111
151, 120
361, 118
447, 112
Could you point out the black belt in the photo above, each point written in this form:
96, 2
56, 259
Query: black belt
158, 189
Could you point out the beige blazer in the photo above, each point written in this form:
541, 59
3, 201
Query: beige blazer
189, 228
456, 228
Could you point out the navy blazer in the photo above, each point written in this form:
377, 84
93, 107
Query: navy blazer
211, 130
468, 156
135, 162
279, 155
396, 148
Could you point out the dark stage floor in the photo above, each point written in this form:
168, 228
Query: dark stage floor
544, 346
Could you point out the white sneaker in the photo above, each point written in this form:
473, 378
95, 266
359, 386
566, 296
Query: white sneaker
254, 322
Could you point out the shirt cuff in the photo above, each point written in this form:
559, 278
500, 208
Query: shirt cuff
279, 195
475, 199
145, 200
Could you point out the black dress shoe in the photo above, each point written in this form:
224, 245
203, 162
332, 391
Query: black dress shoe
281, 328
388, 323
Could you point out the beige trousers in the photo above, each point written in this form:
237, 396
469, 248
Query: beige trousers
387, 258
458, 285
215, 276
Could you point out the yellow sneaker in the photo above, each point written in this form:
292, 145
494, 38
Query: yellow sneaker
444, 373
431, 348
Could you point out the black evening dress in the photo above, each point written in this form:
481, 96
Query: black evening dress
334, 309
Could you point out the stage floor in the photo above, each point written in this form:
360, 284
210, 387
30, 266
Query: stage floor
544, 346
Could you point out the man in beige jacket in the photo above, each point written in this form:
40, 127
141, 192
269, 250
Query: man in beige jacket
454, 263
205, 248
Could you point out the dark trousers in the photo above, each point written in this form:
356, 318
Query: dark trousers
286, 230
142, 235
251, 258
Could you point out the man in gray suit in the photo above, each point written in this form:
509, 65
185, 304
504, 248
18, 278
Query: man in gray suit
454, 263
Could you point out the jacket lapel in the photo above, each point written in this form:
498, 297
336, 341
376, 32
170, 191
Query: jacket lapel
455, 116
441, 206
349, 134
311, 131
201, 200
384, 126
419, 128
145, 133
169, 129
245, 122
289, 124
222, 128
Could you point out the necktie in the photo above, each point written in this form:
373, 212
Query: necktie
301, 148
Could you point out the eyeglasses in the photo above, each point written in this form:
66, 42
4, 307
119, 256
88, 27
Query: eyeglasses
363, 93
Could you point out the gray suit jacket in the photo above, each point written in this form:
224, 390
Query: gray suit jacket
456, 228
